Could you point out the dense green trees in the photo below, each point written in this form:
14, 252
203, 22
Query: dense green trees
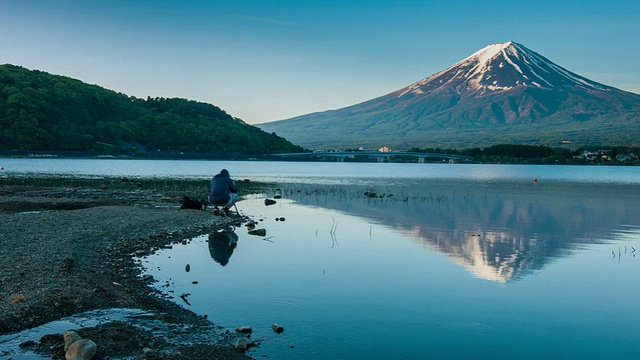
40, 111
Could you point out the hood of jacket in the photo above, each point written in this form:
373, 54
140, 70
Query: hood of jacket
223, 173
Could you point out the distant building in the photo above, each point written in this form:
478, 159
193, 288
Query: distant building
603, 155
625, 158
384, 149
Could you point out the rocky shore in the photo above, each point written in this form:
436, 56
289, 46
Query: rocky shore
66, 250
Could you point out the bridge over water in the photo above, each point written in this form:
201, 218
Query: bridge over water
380, 156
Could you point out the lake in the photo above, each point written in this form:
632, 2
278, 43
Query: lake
405, 261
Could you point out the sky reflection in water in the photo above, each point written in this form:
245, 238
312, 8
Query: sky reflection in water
445, 269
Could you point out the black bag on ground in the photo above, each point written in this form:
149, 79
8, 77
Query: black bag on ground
191, 203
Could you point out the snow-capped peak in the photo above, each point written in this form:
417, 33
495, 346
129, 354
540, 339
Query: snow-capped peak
488, 52
500, 67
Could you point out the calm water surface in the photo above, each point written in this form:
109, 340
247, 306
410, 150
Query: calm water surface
346, 173
452, 262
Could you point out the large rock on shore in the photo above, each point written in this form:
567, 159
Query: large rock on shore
75, 347
69, 338
82, 349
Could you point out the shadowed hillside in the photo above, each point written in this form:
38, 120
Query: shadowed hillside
40, 111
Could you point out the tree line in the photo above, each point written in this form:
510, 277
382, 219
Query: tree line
532, 154
45, 112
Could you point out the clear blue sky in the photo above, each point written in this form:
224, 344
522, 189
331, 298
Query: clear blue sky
264, 60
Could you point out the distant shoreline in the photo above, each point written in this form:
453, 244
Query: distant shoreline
318, 159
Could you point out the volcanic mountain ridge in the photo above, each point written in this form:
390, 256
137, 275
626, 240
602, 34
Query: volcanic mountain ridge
503, 93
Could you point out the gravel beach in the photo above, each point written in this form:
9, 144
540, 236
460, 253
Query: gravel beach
67, 250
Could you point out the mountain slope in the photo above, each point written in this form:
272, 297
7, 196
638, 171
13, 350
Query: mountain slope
503, 93
40, 111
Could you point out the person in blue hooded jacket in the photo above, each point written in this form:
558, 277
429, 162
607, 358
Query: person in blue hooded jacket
222, 191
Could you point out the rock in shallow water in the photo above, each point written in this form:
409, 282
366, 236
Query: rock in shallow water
242, 344
277, 328
244, 329
258, 232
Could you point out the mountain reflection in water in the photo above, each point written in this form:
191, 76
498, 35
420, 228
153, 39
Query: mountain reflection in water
499, 231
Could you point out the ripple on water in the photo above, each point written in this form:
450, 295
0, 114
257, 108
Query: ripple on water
471, 329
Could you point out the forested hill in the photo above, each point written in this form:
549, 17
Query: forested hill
40, 111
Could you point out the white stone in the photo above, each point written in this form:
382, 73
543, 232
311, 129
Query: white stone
242, 344
69, 338
83, 349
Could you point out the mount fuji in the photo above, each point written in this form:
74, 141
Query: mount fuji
504, 93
